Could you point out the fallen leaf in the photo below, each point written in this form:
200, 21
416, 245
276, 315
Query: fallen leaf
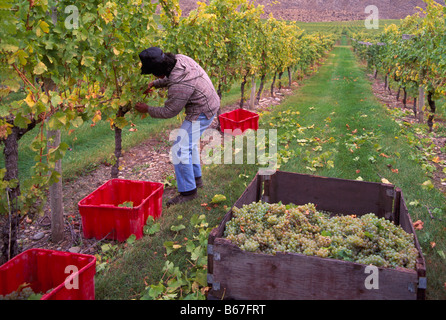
418, 225
218, 198
433, 244
384, 155
427, 185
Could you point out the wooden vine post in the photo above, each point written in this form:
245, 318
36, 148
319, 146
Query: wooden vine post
421, 99
253, 93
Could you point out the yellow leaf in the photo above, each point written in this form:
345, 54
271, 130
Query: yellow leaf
30, 100
63, 119
40, 68
22, 57
218, 198
44, 98
44, 26
116, 51
108, 17
384, 180
97, 117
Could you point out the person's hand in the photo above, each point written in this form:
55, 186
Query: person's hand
149, 88
141, 107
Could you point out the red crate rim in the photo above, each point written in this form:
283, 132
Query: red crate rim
81, 255
160, 186
253, 115
90, 264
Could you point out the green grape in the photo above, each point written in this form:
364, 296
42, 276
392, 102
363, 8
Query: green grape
250, 245
375, 260
24, 292
322, 252
270, 228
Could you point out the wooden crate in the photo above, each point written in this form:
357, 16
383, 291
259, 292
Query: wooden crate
240, 275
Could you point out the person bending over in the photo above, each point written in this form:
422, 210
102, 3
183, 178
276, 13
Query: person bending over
190, 88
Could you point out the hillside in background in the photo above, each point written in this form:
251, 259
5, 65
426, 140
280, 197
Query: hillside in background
329, 10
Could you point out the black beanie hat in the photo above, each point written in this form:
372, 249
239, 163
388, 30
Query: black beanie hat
151, 60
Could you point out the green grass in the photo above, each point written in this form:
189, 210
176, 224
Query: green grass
337, 96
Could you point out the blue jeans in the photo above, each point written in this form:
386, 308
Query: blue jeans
185, 153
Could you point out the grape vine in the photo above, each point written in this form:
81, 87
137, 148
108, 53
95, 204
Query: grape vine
65, 65
412, 56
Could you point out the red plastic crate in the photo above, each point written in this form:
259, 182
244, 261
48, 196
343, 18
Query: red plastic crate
47, 269
102, 218
238, 121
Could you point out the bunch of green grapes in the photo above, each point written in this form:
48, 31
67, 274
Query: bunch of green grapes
23, 293
269, 228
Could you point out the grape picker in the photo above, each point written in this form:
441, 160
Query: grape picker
189, 88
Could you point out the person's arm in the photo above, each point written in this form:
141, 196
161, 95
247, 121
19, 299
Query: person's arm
178, 96
160, 83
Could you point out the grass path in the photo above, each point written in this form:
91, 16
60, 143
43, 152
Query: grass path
333, 126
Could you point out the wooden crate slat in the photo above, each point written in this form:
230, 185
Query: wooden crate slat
243, 275
335, 195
